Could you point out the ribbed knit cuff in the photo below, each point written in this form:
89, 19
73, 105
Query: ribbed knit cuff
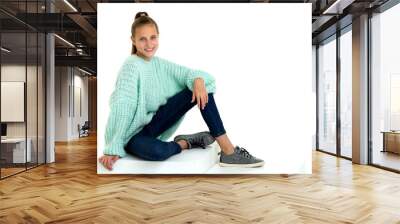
115, 149
211, 87
208, 80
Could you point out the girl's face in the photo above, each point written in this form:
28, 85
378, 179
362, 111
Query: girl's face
146, 41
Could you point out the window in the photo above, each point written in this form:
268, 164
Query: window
385, 88
346, 92
327, 96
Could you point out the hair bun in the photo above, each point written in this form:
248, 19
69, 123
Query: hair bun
141, 14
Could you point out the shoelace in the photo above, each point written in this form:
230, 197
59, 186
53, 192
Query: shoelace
245, 152
199, 142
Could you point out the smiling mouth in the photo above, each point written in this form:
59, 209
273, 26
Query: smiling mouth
149, 50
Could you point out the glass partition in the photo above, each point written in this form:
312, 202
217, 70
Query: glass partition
385, 89
13, 108
22, 64
327, 96
346, 93
31, 100
41, 109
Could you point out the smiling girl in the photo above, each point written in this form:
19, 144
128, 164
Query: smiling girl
150, 99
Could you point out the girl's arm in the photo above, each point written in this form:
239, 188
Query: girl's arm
186, 76
123, 103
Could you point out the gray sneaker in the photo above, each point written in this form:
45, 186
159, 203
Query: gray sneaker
201, 139
240, 158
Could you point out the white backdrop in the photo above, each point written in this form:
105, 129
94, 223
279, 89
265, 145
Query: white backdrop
259, 54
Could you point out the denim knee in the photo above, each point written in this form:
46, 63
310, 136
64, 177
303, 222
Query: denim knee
157, 153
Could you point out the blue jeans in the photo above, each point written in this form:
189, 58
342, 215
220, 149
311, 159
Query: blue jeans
145, 144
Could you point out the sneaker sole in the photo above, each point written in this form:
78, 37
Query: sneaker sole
259, 164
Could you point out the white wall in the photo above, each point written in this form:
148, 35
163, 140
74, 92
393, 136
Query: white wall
68, 83
81, 83
251, 56
13, 73
33, 127
314, 90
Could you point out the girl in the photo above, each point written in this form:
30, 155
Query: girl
149, 102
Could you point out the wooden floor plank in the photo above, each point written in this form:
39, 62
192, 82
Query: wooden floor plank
70, 191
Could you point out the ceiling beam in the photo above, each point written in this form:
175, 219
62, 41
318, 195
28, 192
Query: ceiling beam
317, 25
84, 24
337, 6
83, 61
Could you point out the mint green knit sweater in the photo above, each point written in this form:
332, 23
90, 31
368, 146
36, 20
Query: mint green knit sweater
141, 88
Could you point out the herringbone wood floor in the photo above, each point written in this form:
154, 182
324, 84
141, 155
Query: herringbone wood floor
70, 191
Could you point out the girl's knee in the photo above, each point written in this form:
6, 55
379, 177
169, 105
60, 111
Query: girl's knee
158, 154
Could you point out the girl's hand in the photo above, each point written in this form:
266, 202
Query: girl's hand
200, 93
108, 161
